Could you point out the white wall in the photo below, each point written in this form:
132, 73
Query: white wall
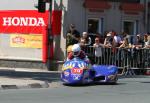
17, 4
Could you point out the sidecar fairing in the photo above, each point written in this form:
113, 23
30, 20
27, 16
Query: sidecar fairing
105, 73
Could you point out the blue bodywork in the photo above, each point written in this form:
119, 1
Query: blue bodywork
105, 73
73, 72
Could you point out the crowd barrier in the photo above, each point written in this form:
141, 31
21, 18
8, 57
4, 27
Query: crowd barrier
132, 58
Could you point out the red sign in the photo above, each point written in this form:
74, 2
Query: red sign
23, 21
77, 71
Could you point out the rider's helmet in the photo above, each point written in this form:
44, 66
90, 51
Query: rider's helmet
76, 49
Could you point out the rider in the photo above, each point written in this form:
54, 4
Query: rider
77, 52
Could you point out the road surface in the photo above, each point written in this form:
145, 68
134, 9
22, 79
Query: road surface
128, 90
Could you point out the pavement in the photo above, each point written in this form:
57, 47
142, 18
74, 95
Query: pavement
25, 78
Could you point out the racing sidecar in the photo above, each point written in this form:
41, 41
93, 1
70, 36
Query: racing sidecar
77, 71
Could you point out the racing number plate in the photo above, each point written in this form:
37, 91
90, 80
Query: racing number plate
77, 71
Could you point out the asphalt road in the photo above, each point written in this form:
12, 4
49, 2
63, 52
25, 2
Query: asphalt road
128, 90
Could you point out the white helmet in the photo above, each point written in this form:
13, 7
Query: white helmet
76, 49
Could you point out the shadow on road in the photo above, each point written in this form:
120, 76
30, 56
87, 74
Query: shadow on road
92, 84
43, 76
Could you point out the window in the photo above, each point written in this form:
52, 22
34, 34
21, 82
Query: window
95, 25
130, 27
92, 25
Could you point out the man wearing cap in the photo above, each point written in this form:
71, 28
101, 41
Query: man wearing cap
73, 36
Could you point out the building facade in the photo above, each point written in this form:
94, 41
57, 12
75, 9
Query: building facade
131, 16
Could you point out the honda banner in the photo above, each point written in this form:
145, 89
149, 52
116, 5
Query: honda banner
22, 21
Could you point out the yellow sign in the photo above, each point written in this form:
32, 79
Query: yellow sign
26, 40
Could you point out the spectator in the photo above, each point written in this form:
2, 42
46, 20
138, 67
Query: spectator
92, 36
83, 45
125, 43
101, 38
86, 37
73, 35
98, 50
147, 43
145, 37
122, 35
116, 40
82, 42
139, 42
108, 40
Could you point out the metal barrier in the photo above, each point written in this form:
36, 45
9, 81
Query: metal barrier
122, 57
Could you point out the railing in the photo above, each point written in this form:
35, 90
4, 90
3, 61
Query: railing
122, 57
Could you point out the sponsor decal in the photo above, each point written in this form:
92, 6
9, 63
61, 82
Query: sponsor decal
26, 41
77, 71
18, 40
76, 77
66, 73
68, 65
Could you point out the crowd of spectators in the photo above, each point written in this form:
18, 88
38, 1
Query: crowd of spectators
109, 39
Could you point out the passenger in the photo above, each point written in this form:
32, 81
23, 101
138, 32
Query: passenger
69, 49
